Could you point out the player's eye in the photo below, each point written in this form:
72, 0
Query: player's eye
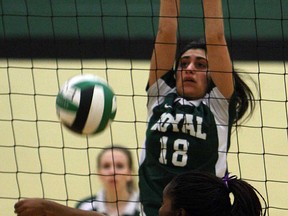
106, 166
184, 64
119, 166
201, 65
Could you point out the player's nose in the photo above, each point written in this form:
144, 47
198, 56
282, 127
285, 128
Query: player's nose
190, 68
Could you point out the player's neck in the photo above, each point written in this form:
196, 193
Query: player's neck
114, 196
116, 208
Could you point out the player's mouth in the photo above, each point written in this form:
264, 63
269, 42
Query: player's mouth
188, 80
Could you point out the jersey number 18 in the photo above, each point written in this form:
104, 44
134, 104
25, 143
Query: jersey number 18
179, 155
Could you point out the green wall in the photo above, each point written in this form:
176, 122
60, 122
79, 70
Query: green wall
135, 18
255, 29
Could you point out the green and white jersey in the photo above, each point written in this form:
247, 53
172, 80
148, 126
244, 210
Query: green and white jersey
98, 203
181, 135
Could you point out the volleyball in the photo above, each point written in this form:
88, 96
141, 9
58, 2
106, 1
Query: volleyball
86, 104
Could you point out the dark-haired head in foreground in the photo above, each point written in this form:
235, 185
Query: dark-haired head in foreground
203, 194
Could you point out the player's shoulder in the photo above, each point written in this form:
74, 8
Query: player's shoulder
86, 202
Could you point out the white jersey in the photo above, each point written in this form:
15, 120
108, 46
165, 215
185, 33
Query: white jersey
98, 203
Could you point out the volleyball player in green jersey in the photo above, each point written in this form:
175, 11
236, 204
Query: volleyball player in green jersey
192, 107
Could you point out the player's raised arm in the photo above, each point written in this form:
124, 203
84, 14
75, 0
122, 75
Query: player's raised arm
219, 60
166, 40
40, 207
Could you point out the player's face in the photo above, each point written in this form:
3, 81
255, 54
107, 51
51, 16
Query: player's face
166, 207
114, 169
192, 74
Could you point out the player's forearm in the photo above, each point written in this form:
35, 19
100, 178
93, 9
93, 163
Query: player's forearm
169, 12
169, 8
220, 64
166, 40
214, 25
56, 209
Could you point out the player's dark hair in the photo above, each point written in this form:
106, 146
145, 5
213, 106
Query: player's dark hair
244, 96
127, 153
204, 194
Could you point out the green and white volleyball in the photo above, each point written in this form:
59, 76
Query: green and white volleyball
86, 104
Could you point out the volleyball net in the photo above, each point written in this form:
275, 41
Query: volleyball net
43, 43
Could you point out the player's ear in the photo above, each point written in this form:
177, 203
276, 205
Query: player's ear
181, 212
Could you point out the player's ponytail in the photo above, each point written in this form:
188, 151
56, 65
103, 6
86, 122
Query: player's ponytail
244, 97
246, 200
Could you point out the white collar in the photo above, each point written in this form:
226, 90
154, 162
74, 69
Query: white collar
132, 204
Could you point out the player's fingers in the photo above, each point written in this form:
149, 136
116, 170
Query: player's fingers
18, 207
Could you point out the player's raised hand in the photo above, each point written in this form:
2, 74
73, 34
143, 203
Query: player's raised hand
30, 207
